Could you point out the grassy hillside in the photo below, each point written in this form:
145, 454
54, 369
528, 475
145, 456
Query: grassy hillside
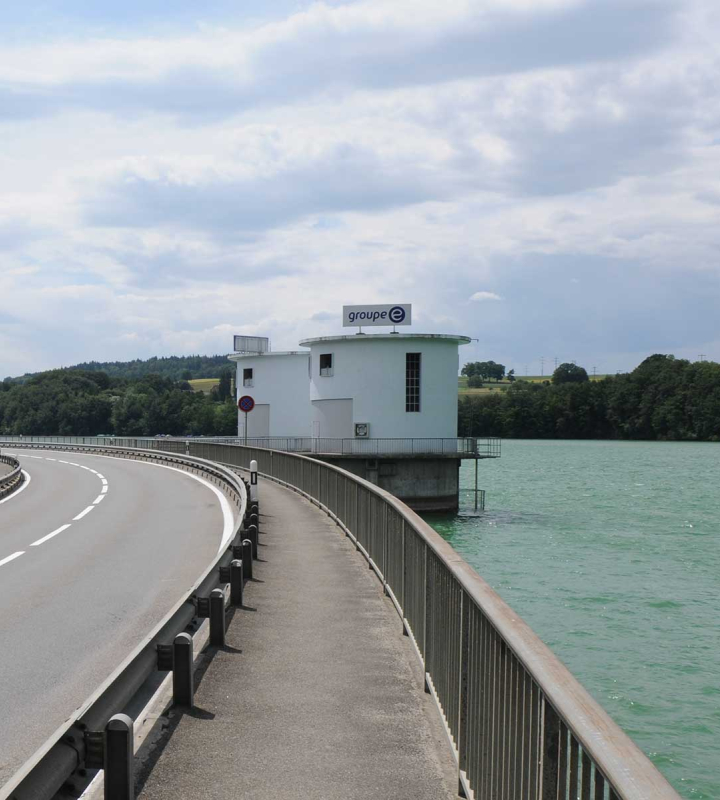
492, 387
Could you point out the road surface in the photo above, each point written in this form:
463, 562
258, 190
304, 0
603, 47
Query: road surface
94, 551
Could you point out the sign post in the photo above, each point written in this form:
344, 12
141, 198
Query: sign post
246, 405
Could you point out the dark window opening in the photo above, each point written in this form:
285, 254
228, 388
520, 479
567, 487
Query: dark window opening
247, 377
412, 381
326, 365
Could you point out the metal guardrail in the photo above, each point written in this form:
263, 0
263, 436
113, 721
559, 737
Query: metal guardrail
471, 447
68, 751
520, 725
12, 480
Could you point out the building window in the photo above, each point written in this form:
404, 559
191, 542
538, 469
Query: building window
247, 377
412, 381
326, 365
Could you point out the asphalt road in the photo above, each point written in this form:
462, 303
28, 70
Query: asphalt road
94, 551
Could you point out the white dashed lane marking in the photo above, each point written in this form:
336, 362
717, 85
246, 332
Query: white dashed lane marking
12, 557
50, 535
82, 514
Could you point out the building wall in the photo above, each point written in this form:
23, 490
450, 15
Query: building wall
425, 484
371, 371
280, 391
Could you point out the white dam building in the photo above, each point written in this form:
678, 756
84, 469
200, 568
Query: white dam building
383, 406
384, 386
278, 383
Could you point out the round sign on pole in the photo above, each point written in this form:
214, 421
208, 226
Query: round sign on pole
246, 403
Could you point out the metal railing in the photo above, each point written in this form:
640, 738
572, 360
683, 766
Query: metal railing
11, 480
69, 751
489, 447
520, 725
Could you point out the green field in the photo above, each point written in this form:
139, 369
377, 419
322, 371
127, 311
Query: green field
501, 386
204, 385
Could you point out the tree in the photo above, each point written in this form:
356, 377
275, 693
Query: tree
511, 376
225, 386
569, 373
475, 382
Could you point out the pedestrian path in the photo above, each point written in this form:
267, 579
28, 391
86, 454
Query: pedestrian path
316, 695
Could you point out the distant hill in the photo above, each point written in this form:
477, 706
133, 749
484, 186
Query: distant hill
174, 367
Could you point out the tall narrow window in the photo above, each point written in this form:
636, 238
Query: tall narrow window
412, 381
326, 365
247, 377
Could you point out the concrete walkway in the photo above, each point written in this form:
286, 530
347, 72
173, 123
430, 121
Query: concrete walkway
317, 693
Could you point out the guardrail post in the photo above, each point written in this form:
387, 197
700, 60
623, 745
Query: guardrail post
253, 480
247, 558
217, 617
252, 534
183, 683
236, 582
118, 762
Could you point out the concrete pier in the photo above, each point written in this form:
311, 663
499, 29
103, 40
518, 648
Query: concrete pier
316, 694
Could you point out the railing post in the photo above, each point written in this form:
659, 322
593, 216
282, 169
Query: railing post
253, 481
217, 617
550, 753
236, 582
463, 688
118, 762
427, 650
183, 682
247, 558
252, 534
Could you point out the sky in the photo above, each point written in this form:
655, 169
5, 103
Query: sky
540, 175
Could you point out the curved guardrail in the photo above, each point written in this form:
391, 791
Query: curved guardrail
520, 725
13, 479
66, 753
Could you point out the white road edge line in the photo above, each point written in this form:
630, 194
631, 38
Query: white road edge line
12, 557
104, 489
26, 483
50, 535
98, 499
83, 513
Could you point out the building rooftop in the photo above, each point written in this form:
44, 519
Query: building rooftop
362, 337
236, 356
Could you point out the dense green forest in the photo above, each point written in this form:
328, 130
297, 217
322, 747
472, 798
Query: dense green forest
662, 399
174, 367
85, 402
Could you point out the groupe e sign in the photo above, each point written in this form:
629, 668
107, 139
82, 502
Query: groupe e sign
397, 314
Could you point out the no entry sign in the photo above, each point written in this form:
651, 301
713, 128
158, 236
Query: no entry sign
246, 403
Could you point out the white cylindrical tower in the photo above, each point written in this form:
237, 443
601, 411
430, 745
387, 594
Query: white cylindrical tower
279, 385
388, 385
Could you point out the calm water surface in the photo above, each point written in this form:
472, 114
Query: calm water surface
611, 552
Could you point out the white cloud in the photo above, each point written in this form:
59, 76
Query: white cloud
481, 297
159, 193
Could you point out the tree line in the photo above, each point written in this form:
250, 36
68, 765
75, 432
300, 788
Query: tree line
75, 402
176, 368
664, 398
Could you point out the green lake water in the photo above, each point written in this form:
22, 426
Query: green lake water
611, 552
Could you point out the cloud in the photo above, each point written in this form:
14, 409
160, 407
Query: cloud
481, 297
166, 187
220, 72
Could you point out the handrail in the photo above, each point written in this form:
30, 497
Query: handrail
14, 479
463, 446
64, 753
520, 724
